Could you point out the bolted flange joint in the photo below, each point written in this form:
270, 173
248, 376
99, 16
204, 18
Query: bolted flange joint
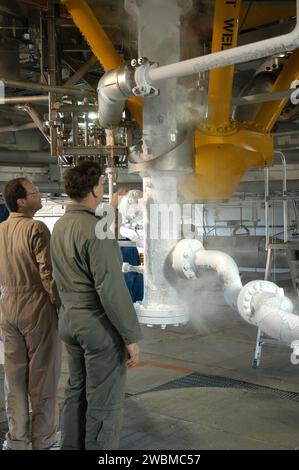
143, 86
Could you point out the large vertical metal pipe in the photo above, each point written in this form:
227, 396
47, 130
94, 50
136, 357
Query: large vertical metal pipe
161, 304
161, 129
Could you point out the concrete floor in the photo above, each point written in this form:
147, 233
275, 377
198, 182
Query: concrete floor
207, 417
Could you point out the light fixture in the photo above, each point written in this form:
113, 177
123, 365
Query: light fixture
92, 115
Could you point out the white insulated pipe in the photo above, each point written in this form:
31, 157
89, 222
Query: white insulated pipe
264, 304
117, 85
236, 55
260, 303
226, 269
271, 312
273, 315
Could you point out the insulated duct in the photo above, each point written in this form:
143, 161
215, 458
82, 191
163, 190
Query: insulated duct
113, 88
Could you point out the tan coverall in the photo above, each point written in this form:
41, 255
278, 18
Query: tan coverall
32, 349
96, 320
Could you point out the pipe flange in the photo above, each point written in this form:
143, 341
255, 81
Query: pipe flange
247, 294
161, 314
143, 85
183, 258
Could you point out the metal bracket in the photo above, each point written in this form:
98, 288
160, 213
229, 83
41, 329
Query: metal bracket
143, 86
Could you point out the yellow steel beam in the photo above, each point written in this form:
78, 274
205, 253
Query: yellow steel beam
225, 36
270, 112
262, 13
100, 44
223, 158
224, 150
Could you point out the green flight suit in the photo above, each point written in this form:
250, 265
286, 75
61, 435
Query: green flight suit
96, 320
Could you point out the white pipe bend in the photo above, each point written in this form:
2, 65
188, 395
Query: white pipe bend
227, 270
261, 303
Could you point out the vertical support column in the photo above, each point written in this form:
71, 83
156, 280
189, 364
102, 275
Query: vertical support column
162, 224
158, 26
167, 157
160, 197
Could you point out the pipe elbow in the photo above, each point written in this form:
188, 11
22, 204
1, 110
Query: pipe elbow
223, 264
113, 89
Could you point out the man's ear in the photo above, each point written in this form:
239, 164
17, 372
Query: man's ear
95, 191
21, 202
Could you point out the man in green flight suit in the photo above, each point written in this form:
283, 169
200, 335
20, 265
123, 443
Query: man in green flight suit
97, 320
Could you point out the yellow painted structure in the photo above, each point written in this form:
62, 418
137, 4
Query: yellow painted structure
225, 36
224, 150
270, 112
100, 45
254, 14
221, 159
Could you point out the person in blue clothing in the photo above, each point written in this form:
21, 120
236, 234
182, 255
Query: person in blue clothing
130, 228
3, 213
133, 280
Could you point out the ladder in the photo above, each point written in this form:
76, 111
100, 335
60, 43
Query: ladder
293, 261
292, 253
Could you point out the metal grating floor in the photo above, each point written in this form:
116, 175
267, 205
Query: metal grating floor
199, 380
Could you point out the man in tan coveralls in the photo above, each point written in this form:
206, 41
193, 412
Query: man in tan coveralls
97, 320
28, 306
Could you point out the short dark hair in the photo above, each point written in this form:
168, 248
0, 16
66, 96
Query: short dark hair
80, 180
14, 190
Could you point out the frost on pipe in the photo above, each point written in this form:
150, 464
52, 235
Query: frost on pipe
131, 212
260, 303
189, 257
